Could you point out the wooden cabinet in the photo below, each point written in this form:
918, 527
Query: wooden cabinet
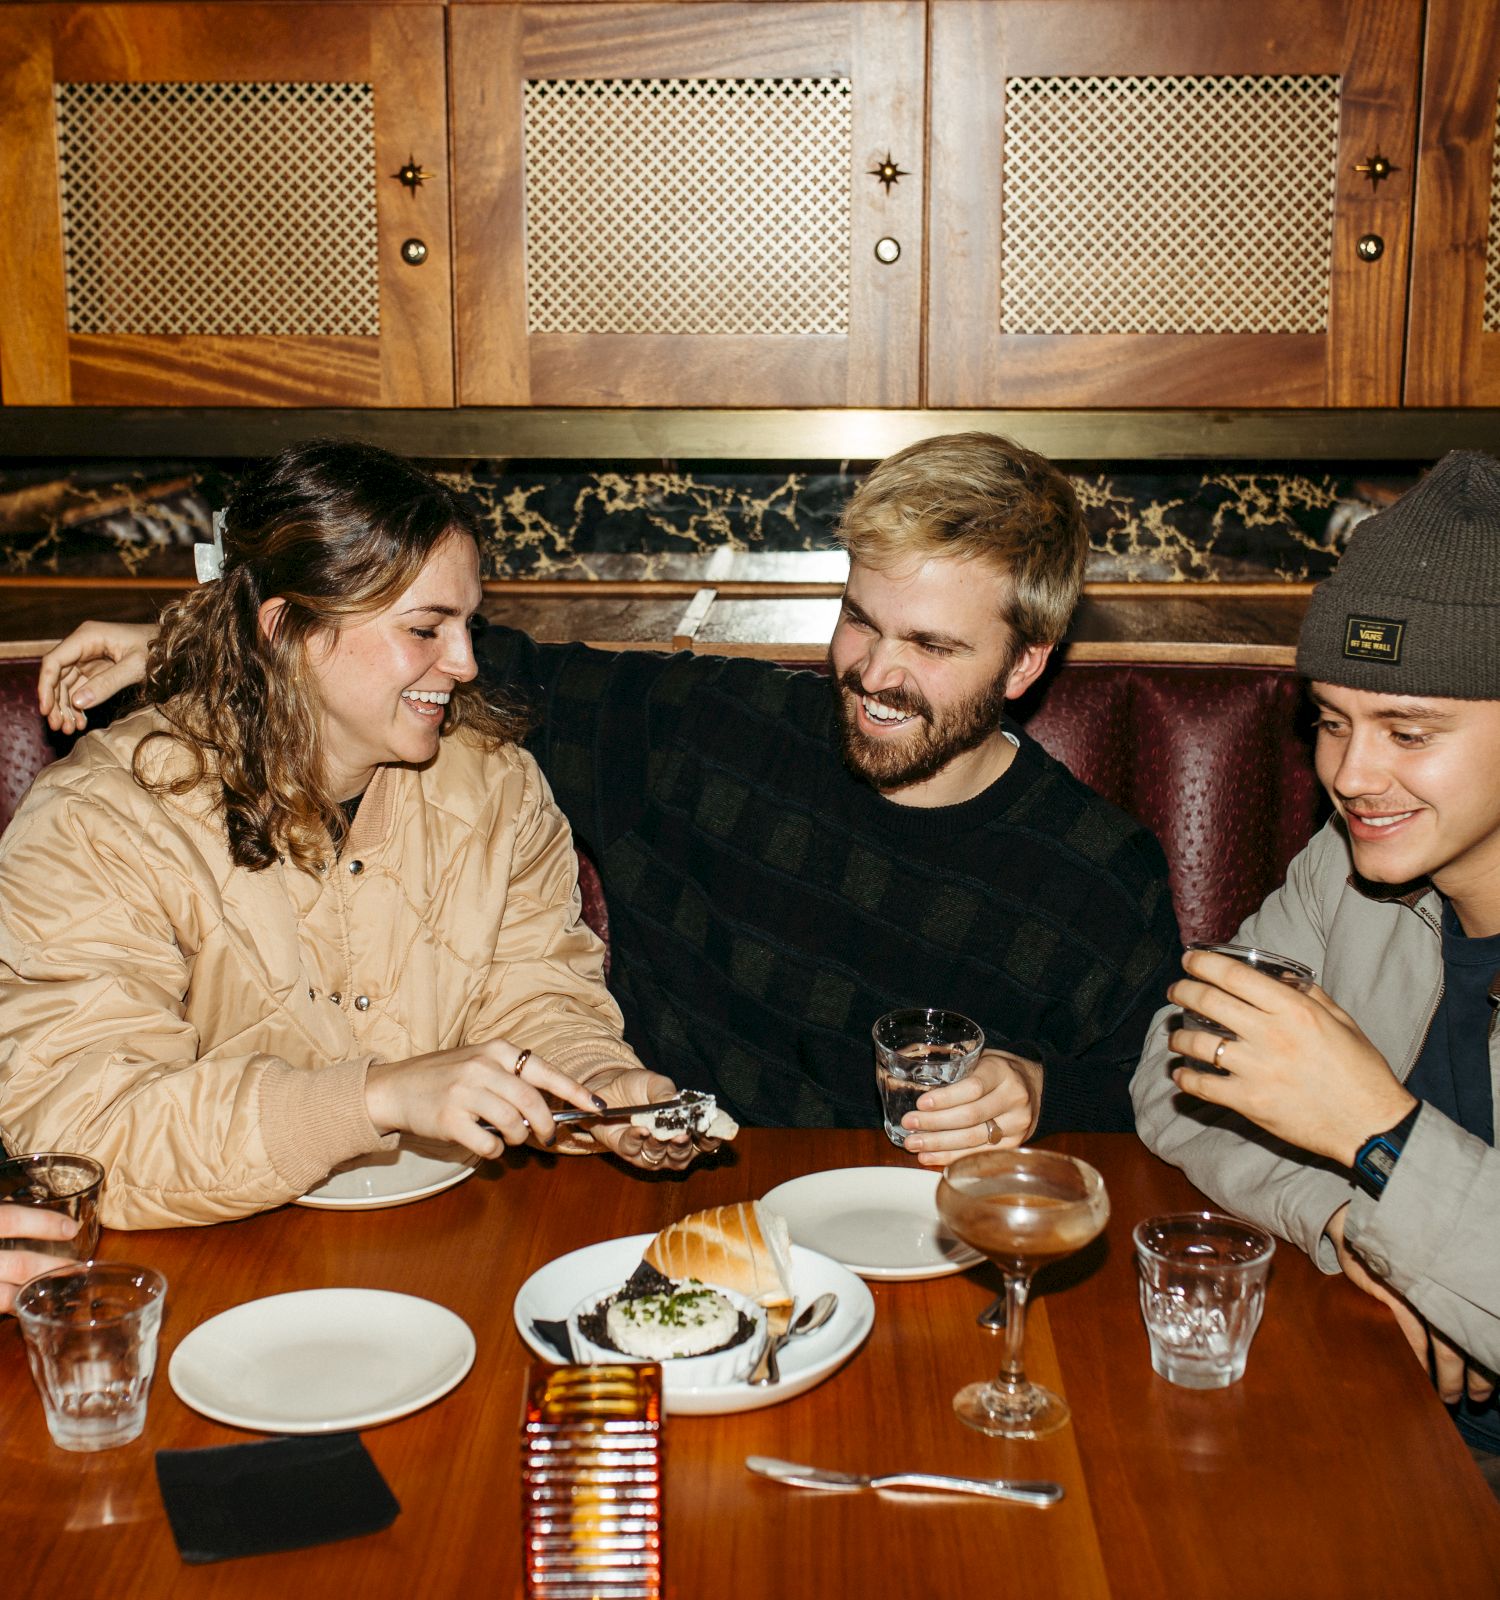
1454, 357
1159, 202
683, 205
202, 205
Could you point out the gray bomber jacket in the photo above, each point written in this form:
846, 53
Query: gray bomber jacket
1434, 1235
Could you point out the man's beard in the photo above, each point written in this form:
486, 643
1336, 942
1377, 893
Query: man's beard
924, 749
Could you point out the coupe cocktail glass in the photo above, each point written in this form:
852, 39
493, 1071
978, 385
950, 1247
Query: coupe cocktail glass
1023, 1208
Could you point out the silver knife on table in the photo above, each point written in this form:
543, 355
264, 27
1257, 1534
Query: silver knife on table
1030, 1493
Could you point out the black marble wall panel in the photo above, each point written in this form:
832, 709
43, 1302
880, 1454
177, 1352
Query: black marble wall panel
1242, 522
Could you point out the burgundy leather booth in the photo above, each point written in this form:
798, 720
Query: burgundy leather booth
1216, 761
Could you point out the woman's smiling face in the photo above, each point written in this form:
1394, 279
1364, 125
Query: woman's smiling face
384, 680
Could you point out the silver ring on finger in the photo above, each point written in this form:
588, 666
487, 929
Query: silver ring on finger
991, 1131
521, 1061
1219, 1054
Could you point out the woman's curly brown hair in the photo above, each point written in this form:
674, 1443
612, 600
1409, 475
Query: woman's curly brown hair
338, 531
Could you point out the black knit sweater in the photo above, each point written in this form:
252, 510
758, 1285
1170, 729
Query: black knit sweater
766, 906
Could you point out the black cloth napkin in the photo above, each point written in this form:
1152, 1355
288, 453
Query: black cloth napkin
276, 1494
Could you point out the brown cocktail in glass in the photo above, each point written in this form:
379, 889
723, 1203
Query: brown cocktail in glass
1023, 1208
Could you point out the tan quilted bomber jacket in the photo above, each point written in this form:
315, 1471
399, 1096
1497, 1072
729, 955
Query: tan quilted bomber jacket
205, 1031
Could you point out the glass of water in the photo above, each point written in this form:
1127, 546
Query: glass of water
1282, 968
90, 1331
1203, 1288
918, 1050
66, 1183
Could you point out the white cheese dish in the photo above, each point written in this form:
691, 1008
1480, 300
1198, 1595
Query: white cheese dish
695, 1317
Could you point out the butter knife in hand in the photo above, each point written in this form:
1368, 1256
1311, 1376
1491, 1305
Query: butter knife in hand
1028, 1493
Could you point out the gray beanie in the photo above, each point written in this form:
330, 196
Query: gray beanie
1413, 607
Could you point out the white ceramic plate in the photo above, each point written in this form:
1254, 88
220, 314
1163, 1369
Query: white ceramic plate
321, 1360
553, 1291
880, 1222
415, 1169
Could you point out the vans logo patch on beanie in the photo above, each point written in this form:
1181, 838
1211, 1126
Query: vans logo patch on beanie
1374, 639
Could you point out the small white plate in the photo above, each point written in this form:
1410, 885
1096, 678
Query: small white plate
415, 1169
551, 1292
321, 1360
880, 1222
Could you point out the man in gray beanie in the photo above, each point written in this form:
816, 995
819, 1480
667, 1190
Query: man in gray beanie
1357, 1118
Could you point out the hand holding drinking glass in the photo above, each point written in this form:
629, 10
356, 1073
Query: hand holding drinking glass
36, 1241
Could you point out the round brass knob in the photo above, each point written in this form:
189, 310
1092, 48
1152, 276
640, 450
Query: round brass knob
887, 251
1371, 247
414, 252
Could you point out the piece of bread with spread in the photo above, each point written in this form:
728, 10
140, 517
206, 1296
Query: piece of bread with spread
692, 1112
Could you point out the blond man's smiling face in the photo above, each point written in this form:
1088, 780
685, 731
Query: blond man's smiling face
923, 664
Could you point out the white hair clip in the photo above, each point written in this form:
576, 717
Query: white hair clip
208, 559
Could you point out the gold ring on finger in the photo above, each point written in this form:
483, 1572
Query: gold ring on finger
991, 1131
1219, 1054
521, 1061
649, 1162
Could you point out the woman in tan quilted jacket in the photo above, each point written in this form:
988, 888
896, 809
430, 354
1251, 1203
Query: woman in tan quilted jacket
313, 895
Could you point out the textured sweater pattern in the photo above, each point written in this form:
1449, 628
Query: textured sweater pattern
766, 906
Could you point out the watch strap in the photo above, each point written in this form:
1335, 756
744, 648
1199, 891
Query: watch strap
1376, 1158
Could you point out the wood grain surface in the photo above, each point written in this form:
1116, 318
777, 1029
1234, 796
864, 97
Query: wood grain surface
978, 44
1452, 359
401, 52
1330, 1470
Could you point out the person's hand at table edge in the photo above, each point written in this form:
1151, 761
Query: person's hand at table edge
17, 1266
996, 1106
1452, 1372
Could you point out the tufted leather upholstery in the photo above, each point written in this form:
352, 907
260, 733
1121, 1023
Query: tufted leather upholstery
1216, 761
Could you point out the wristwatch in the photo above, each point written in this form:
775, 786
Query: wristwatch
1376, 1158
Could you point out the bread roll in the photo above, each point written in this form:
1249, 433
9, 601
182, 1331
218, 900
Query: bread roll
741, 1247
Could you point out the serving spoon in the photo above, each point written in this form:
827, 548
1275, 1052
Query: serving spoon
808, 1321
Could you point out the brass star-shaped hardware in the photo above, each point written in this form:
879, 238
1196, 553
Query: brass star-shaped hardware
412, 174
1375, 168
888, 172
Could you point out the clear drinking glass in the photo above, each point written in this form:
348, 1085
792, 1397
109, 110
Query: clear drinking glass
1283, 968
1203, 1288
90, 1331
56, 1182
1022, 1208
917, 1050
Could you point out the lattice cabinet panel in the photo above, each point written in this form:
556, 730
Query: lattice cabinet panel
1152, 203
648, 257
272, 246
1491, 322
1202, 240
215, 209
1453, 357
682, 204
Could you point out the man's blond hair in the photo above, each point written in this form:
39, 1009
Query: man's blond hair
977, 496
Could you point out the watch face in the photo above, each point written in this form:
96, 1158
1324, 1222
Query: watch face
1381, 1161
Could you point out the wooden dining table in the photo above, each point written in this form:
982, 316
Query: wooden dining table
1331, 1469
